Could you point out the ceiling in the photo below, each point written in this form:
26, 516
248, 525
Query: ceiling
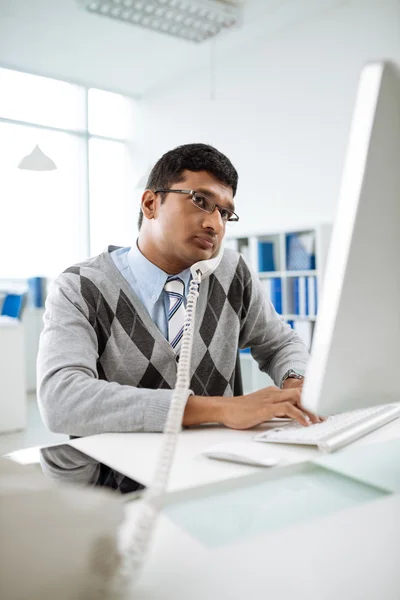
57, 38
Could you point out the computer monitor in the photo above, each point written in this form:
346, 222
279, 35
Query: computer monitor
355, 356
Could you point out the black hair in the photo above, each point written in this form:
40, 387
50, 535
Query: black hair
191, 157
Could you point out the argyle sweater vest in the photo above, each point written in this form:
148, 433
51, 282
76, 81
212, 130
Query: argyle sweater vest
103, 365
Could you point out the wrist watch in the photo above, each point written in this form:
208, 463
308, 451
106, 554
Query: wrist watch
291, 374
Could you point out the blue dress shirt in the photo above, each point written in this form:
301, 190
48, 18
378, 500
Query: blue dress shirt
147, 281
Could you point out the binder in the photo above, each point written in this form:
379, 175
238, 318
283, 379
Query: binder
312, 295
276, 293
296, 295
303, 296
36, 291
266, 256
273, 287
300, 251
300, 296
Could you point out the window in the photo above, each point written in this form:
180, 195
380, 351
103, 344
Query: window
48, 218
112, 218
42, 226
41, 100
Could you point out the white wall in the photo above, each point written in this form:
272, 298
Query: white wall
282, 111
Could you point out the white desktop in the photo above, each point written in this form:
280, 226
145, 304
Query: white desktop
356, 347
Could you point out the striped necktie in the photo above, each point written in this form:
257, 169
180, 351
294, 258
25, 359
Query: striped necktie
176, 314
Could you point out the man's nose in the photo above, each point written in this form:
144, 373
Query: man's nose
214, 220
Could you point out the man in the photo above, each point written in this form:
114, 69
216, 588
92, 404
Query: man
107, 362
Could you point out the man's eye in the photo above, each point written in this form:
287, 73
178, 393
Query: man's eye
201, 201
225, 214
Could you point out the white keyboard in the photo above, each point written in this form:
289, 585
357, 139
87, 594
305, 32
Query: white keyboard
336, 431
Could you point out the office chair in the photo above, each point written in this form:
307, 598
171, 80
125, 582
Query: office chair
13, 305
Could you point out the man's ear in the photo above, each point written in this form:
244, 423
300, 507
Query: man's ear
149, 204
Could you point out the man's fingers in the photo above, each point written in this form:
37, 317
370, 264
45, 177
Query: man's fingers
286, 409
293, 395
290, 395
313, 418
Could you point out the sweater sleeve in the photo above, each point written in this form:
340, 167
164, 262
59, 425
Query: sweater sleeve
71, 397
274, 344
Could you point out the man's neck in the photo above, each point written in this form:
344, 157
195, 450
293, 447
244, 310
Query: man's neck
156, 256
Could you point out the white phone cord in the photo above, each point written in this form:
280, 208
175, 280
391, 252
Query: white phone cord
135, 553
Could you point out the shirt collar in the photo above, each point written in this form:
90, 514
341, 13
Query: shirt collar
150, 278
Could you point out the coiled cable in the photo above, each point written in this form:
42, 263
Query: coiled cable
141, 531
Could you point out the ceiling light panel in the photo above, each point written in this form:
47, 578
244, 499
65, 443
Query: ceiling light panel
193, 20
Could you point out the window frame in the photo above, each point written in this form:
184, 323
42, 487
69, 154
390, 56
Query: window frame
82, 134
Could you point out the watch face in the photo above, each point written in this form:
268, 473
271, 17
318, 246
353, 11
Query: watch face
291, 374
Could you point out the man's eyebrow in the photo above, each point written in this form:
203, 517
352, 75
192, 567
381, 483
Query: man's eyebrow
212, 195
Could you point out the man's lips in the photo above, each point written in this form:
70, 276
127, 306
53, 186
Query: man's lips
205, 241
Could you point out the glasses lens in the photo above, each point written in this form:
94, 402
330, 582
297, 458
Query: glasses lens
226, 214
203, 202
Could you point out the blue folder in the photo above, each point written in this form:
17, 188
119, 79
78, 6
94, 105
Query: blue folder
297, 257
266, 256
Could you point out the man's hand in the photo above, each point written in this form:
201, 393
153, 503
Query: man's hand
244, 412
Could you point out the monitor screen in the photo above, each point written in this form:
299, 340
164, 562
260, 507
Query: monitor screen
356, 347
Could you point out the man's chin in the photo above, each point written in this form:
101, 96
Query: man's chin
203, 254
193, 253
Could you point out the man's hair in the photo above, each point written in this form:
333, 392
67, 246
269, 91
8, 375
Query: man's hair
190, 157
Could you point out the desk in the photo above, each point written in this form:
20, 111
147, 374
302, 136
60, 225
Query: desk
350, 555
135, 454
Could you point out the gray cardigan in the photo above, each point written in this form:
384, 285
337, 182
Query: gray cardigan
104, 366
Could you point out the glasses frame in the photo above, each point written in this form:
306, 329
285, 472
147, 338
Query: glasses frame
234, 218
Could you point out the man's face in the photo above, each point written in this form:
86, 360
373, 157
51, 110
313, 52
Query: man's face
185, 233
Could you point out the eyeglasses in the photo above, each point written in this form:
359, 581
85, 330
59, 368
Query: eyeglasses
204, 202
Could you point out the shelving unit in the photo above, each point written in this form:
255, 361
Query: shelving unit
279, 245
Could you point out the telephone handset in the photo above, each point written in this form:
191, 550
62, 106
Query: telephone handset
206, 267
135, 550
